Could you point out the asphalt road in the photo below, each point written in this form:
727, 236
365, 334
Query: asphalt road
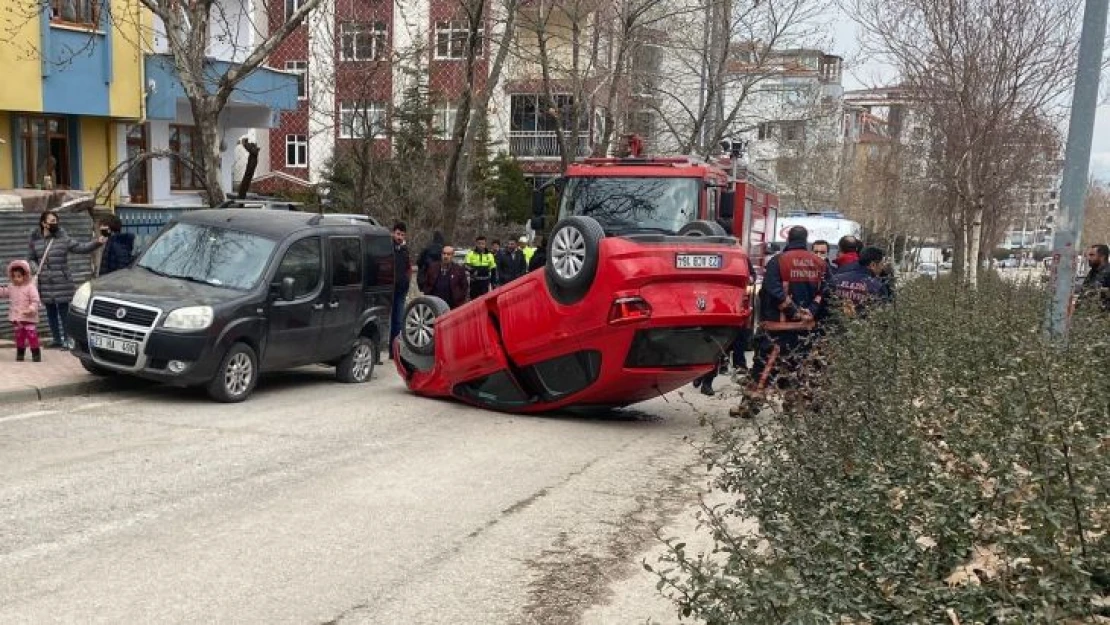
316, 502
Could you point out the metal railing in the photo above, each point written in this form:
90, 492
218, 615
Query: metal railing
537, 144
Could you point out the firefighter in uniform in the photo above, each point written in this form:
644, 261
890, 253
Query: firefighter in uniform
792, 300
481, 264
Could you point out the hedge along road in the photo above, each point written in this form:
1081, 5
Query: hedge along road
316, 502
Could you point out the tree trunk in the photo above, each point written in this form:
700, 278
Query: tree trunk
208, 126
974, 236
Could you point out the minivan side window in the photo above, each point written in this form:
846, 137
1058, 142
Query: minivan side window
346, 261
304, 263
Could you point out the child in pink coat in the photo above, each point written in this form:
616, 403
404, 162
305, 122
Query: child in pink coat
23, 311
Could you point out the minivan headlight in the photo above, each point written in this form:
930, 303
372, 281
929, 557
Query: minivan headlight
190, 318
80, 301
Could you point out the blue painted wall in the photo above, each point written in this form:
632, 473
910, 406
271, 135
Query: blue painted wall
77, 70
269, 88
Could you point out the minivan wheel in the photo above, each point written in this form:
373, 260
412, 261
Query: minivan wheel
237, 375
418, 330
358, 365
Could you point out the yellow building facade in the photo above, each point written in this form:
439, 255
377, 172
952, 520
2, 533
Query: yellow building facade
74, 71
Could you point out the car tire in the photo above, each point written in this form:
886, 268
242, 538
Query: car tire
572, 258
702, 228
358, 365
418, 328
96, 369
236, 376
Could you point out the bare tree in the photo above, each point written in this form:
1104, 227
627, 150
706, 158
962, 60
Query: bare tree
471, 111
985, 75
1096, 222
190, 28
723, 51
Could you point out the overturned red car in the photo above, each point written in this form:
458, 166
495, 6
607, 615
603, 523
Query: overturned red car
642, 291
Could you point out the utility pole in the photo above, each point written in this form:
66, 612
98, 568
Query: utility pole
1077, 163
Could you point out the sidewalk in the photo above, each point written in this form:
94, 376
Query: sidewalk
58, 375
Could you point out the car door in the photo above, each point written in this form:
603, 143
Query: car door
295, 325
344, 295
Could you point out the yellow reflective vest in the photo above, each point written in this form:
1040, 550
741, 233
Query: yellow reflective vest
528, 251
480, 264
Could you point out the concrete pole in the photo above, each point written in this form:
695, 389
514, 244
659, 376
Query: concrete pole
1077, 163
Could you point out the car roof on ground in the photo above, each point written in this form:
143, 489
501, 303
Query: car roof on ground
272, 224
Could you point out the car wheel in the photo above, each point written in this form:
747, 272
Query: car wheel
702, 228
96, 369
358, 365
572, 258
237, 375
418, 331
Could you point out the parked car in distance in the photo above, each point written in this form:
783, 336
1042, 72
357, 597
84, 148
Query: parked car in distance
929, 270
221, 296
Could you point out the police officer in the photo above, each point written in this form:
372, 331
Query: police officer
793, 297
481, 264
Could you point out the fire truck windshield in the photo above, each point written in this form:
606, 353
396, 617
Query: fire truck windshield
624, 205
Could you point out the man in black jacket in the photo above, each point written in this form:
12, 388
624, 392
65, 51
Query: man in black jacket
402, 278
1095, 292
512, 264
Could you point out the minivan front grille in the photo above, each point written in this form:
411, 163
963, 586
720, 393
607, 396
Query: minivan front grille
132, 315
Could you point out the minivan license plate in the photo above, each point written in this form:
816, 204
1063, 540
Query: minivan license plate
697, 261
108, 343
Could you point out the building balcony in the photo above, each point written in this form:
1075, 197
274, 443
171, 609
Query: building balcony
545, 145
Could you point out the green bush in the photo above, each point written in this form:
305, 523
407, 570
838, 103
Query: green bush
953, 467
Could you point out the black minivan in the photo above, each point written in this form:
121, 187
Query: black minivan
221, 296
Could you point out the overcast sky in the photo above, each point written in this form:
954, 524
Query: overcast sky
860, 75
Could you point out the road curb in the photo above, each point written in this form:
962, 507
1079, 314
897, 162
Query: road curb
56, 391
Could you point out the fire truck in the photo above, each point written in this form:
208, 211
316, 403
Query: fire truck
676, 195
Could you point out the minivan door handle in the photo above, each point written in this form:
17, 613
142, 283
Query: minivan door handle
333, 304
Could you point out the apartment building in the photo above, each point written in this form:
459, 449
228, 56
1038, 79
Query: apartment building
354, 60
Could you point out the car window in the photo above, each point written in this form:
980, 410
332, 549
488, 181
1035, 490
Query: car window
209, 254
565, 375
379, 261
304, 263
346, 261
495, 389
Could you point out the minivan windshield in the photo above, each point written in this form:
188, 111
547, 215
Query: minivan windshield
623, 205
216, 256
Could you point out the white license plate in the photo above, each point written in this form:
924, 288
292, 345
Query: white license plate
697, 261
131, 348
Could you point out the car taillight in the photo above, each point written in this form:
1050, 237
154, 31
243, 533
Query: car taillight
628, 309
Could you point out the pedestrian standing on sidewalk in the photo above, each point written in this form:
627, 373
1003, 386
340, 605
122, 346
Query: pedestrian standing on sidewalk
23, 309
49, 248
402, 279
120, 248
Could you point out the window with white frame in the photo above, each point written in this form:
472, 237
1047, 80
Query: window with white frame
296, 151
361, 120
362, 41
451, 39
301, 69
445, 120
292, 6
